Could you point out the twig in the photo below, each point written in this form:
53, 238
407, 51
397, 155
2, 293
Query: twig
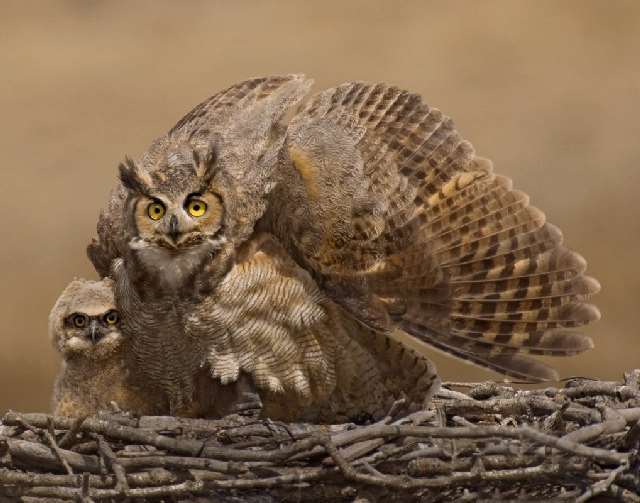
112, 462
69, 437
603, 485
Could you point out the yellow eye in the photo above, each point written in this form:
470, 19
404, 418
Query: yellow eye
155, 211
112, 317
196, 207
79, 320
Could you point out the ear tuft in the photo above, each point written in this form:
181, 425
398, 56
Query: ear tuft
130, 177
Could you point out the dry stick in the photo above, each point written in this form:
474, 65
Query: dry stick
568, 445
181, 489
84, 491
393, 410
112, 461
599, 388
154, 477
380, 456
444, 393
614, 423
69, 437
232, 468
519, 406
49, 434
423, 467
41, 455
603, 485
297, 477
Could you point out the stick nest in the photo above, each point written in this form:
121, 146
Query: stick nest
484, 441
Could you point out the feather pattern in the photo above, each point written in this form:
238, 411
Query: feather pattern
403, 209
331, 225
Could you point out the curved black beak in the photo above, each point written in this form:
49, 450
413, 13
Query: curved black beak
174, 232
95, 331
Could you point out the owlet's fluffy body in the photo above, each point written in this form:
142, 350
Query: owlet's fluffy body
283, 242
85, 328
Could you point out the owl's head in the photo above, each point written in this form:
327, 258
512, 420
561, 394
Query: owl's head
84, 321
173, 206
195, 196
175, 215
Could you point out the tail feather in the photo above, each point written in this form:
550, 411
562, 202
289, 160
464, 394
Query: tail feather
510, 362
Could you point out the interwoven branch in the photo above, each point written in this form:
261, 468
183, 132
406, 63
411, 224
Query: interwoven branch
478, 441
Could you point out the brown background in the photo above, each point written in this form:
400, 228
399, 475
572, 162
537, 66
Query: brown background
550, 90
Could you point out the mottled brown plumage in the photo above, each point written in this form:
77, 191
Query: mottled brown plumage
325, 229
384, 198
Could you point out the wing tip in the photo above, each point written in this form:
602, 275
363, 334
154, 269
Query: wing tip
591, 285
591, 313
572, 260
564, 343
482, 164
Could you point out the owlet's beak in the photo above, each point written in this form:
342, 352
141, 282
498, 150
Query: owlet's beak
96, 331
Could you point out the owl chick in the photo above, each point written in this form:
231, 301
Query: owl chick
263, 238
85, 328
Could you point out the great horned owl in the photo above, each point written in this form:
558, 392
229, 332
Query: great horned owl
84, 327
267, 238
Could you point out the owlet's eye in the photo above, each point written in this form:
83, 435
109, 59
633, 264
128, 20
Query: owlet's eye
155, 211
196, 207
79, 320
111, 318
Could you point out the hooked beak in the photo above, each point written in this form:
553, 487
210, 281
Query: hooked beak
95, 331
174, 231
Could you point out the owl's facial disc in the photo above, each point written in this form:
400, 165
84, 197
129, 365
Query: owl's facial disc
178, 222
96, 335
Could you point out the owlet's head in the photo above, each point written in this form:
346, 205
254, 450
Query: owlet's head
84, 321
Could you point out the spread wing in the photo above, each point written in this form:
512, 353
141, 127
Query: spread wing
399, 221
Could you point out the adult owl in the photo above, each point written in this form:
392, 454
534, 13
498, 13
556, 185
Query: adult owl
281, 243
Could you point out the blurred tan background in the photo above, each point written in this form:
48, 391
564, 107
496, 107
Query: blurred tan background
550, 90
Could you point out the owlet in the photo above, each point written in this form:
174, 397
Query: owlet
85, 328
